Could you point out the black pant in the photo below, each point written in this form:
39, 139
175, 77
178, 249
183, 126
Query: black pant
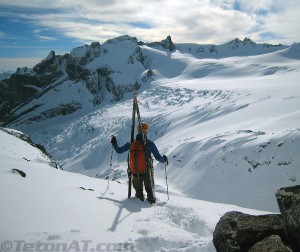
139, 180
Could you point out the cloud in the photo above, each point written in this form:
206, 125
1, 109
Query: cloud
45, 37
254, 6
285, 25
276, 20
198, 21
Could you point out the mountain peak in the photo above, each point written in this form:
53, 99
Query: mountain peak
238, 42
248, 40
166, 43
121, 39
50, 56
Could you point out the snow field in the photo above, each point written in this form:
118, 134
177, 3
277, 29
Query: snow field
49, 207
229, 126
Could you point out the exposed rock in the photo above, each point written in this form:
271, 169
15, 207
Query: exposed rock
23, 174
48, 70
118, 91
93, 84
76, 71
26, 83
213, 49
289, 204
137, 56
275, 232
148, 76
60, 110
237, 231
85, 54
272, 243
166, 44
15, 91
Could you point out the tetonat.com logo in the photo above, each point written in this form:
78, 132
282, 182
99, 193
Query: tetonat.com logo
74, 246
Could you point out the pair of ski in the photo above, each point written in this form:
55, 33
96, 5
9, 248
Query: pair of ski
135, 112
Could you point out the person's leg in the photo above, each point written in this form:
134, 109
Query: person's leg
149, 186
137, 182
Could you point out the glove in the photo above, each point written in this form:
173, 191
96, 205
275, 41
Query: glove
165, 159
113, 140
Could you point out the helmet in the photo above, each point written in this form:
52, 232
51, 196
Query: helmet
145, 128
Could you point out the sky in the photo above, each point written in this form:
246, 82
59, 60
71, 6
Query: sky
29, 30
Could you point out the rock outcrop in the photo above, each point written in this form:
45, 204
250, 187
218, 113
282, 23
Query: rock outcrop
238, 231
289, 204
272, 243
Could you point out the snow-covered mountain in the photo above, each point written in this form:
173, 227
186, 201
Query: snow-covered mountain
48, 209
226, 116
95, 74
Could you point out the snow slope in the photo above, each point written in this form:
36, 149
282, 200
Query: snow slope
230, 126
47, 210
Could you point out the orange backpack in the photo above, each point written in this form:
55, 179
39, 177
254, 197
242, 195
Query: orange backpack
137, 158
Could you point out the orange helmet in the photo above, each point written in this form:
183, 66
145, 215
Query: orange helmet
145, 128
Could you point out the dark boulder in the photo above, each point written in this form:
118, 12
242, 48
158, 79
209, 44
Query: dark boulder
237, 231
289, 204
272, 243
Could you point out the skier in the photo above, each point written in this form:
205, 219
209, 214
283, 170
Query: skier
143, 175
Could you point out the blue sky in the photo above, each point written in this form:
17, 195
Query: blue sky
30, 29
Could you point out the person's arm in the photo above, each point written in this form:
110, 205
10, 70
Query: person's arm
117, 148
121, 149
155, 152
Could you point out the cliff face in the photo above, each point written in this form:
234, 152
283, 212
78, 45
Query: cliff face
61, 85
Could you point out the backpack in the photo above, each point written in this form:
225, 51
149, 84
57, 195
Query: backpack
137, 157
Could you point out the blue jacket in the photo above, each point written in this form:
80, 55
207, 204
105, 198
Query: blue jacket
150, 148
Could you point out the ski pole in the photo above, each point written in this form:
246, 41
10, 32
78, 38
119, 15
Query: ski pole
167, 180
110, 166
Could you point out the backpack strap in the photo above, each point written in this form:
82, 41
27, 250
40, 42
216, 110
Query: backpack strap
134, 158
145, 147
